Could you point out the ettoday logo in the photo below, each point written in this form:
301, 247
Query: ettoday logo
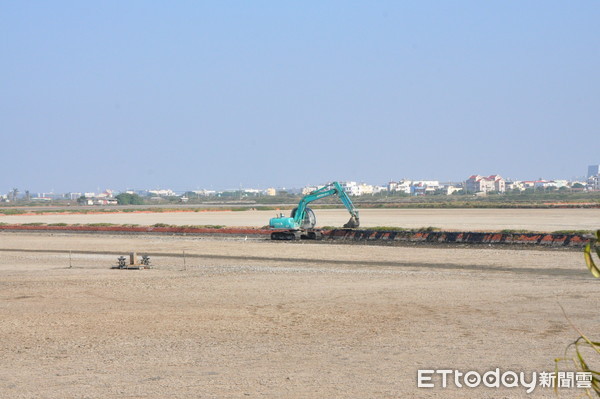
508, 379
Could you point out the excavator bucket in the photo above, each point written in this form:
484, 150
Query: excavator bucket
352, 223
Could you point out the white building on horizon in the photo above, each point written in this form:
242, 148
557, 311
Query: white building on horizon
483, 184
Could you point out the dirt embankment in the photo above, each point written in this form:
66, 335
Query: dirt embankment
378, 236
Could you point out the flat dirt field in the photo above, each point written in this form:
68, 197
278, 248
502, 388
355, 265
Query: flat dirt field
547, 220
255, 318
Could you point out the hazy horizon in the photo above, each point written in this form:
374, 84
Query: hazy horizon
190, 95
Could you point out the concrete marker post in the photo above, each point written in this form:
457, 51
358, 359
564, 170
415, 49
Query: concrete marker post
132, 258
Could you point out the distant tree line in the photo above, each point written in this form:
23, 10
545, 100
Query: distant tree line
129, 199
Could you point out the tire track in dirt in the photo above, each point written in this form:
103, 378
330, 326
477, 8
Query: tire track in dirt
550, 272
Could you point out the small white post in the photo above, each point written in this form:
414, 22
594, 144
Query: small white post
133, 258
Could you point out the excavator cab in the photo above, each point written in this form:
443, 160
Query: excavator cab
309, 221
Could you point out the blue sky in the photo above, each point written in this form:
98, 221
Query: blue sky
186, 94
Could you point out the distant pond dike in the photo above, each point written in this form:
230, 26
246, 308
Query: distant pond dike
451, 237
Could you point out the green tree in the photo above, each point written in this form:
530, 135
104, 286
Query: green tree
129, 199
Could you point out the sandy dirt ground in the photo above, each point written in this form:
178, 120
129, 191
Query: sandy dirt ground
450, 219
255, 318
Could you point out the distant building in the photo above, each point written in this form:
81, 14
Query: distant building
97, 201
482, 184
541, 184
593, 170
106, 194
52, 196
271, 192
205, 193
309, 189
528, 184
479, 184
424, 187
593, 183
162, 193
350, 187
561, 183
513, 185
402, 186
450, 188
365, 189
106, 201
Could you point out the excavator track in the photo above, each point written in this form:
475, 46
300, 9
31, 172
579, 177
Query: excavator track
285, 235
289, 235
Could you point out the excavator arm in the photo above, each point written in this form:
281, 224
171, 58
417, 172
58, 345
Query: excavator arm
354, 219
330, 189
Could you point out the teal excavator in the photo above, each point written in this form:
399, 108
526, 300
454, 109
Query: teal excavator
302, 221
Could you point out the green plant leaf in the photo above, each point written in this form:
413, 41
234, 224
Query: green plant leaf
587, 254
